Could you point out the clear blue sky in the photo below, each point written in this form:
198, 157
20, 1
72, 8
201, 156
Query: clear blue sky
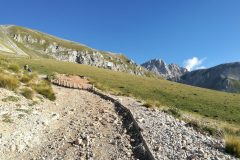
174, 30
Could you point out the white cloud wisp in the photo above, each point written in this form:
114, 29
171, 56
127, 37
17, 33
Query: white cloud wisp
193, 63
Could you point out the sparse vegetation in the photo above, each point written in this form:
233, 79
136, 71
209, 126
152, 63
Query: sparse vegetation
27, 111
205, 128
44, 88
40, 98
27, 77
33, 103
8, 81
174, 111
12, 81
213, 131
18, 105
52, 76
7, 118
27, 93
20, 116
14, 68
11, 99
232, 145
148, 105
3, 62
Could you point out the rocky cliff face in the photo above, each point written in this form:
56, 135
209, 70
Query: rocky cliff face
171, 71
37, 44
224, 77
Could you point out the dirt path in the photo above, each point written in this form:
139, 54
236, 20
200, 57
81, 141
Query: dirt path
81, 126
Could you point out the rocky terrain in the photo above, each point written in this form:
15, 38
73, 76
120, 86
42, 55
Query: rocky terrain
170, 138
79, 125
171, 71
82, 125
26, 42
224, 77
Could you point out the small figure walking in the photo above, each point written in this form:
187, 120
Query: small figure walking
29, 70
26, 67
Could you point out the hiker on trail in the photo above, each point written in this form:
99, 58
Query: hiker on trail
29, 70
26, 67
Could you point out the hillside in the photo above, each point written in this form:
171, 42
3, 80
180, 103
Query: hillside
81, 124
27, 42
224, 77
208, 103
87, 122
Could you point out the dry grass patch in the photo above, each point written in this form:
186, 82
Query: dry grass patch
174, 112
44, 88
27, 77
11, 98
7, 118
8, 81
203, 128
27, 93
27, 111
148, 105
232, 145
14, 67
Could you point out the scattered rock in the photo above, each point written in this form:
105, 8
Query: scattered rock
171, 138
55, 116
78, 141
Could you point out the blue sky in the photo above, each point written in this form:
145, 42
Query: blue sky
174, 30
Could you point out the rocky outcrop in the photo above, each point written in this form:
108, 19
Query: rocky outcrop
224, 77
39, 44
171, 71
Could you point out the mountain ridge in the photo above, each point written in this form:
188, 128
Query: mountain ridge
223, 77
27, 42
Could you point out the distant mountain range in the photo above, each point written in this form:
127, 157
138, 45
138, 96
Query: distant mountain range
224, 77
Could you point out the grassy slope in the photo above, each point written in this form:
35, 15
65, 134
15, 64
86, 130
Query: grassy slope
209, 103
49, 39
36, 50
20, 81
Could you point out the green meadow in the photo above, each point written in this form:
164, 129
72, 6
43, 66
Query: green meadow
207, 103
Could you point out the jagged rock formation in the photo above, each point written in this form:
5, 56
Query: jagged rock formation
171, 71
224, 77
23, 41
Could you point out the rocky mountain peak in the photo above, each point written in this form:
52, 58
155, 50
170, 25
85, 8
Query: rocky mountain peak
160, 67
